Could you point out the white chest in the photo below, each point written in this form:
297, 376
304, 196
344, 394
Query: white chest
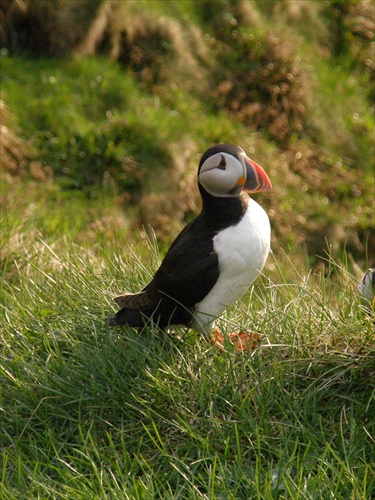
242, 252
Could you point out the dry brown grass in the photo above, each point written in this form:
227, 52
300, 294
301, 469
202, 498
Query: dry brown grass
156, 49
13, 149
52, 28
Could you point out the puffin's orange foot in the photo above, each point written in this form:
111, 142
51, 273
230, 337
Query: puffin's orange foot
243, 341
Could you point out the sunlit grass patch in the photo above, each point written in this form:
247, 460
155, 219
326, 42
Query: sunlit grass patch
89, 410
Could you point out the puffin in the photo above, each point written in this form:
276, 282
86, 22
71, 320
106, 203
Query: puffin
215, 258
366, 291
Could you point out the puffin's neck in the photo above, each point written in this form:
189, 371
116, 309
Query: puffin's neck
222, 212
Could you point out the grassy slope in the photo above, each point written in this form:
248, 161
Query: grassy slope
91, 412
119, 146
95, 123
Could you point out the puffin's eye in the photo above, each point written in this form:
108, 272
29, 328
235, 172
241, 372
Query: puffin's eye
223, 164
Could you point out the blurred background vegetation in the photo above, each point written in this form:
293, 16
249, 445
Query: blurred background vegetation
106, 107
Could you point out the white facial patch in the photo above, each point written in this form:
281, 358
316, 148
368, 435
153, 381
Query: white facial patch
219, 181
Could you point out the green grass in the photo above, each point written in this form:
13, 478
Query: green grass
89, 411
100, 133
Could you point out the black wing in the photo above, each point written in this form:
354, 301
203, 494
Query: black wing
187, 273
190, 268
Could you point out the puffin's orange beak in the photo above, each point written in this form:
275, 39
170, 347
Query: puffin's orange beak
256, 178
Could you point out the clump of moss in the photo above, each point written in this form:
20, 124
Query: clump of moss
352, 25
115, 154
260, 82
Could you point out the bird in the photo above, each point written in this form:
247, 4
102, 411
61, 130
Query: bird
366, 290
215, 258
